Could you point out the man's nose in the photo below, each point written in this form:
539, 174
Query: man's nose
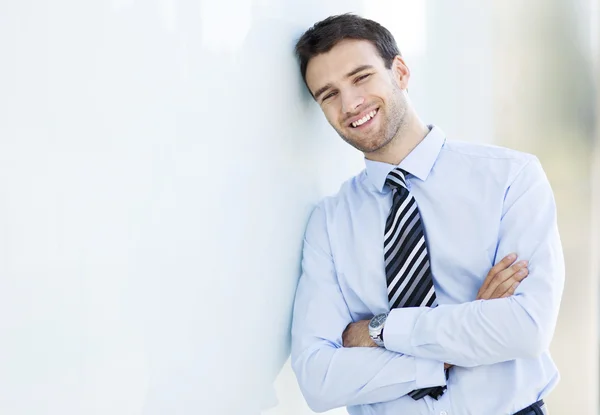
351, 101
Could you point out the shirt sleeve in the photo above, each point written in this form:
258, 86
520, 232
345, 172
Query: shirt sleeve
491, 331
330, 375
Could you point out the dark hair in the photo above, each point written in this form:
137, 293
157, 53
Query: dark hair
324, 35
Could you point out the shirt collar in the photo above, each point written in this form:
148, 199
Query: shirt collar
419, 162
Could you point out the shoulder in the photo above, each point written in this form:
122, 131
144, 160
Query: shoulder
487, 156
332, 208
348, 193
486, 151
348, 190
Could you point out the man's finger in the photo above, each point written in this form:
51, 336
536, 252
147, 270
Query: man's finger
516, 282
500, 266
507, 285
516, 272
500, 278
511, 290
504, 263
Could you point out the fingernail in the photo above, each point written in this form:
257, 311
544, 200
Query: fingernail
523, 271
523, 263
512, 256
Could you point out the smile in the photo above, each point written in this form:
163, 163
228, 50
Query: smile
365, 119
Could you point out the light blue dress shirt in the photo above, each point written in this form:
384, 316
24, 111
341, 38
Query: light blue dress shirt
478, 203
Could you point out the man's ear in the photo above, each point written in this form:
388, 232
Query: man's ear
400, 72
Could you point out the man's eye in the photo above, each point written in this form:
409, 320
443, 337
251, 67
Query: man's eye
365, 76
330, 95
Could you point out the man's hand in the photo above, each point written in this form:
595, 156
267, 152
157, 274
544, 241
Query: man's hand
357, 335
503, 279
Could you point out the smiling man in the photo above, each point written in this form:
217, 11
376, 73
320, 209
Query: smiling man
411, 299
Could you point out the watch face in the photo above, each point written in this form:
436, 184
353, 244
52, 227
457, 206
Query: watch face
378, 320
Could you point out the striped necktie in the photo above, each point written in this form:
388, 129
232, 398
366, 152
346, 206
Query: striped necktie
407, 267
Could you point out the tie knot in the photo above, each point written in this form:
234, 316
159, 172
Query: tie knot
396, 179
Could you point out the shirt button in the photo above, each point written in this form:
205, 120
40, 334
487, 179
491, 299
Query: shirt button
443, 413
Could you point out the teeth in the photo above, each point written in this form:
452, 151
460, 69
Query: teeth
364, 119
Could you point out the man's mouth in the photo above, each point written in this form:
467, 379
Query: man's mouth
366, 120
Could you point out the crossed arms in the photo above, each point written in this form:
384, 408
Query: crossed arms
506, 322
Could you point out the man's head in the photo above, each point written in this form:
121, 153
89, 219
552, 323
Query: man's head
354, 71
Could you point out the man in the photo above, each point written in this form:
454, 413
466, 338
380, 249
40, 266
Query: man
397, 310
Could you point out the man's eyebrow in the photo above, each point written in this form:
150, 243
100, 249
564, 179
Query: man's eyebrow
359, 69
351, 73
321, 90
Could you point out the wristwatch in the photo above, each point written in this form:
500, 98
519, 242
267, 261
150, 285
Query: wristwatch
376, 328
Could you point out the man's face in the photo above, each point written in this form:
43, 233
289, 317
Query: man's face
360, 97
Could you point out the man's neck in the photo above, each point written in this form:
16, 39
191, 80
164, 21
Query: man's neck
408, 137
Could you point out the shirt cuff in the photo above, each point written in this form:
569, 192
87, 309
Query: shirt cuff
429, 373
398, 329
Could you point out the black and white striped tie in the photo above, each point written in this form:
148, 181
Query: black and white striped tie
407, 265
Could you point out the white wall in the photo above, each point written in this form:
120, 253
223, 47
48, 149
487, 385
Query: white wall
158, 160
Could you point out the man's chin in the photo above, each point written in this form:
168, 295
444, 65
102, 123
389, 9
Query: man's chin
371, 147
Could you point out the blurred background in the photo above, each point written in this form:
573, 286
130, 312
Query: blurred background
159, 159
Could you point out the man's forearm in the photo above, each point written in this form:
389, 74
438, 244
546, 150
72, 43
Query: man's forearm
331, 377
470, 334
357, 335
